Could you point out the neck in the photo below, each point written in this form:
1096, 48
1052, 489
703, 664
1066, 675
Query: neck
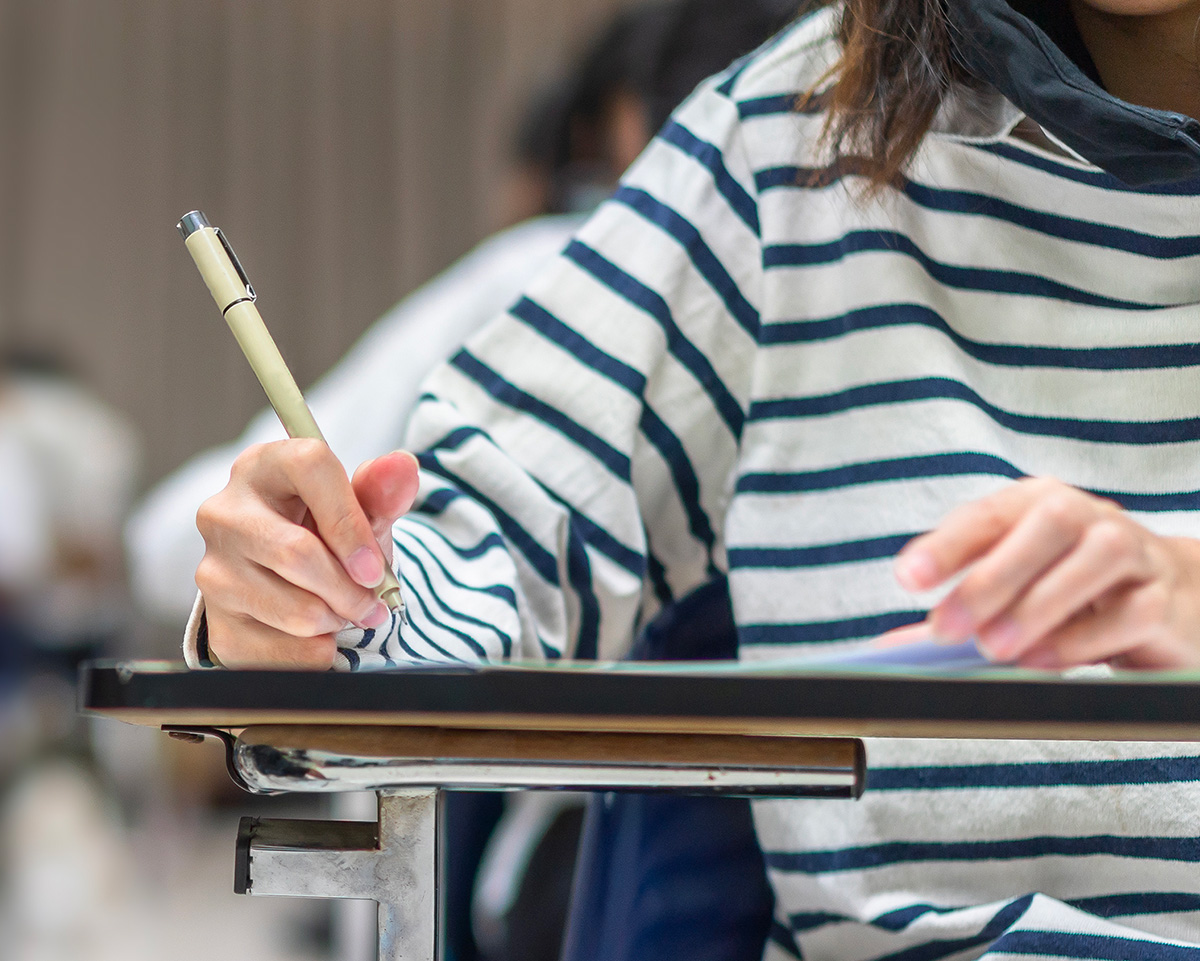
1147, 59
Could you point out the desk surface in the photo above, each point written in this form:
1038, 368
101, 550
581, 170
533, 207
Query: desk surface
1124, 706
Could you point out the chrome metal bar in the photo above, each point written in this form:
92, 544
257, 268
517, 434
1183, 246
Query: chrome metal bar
392, 862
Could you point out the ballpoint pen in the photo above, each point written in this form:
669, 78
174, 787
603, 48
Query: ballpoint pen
235, 296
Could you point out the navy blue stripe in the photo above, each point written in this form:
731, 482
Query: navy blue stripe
351, 655
1148, 902
579, 571
875, 317
1007, 916
782, 938
538, 557
941, 388
607, 544
819, 555
1159, 770
1107, 906
652, 426
1092, 178
874, 472
924, 466
1097, 947
398, 636
811, 920
864, 857
768, 106
510, 394
437, 501
489, 542
570, 340
416, 629
880, 471
683, 473
710, 156
542, 560
827, 631
678, 345
658, 580
975, 204
500, 591
459, 436
706, 262
986, 279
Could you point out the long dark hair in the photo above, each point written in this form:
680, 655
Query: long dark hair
896, 68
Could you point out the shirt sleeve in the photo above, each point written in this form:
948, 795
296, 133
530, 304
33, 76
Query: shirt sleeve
578, 454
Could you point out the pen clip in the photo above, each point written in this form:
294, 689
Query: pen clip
237, 264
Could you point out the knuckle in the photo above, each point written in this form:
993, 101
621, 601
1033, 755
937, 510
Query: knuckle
1042, 485
1150, 604
292, 549
1060, 510
209, 576
308, 454
1111, 540
249, 460
347, 529
210, 517
306, 617
316, 654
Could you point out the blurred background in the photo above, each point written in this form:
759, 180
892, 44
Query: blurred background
351, 149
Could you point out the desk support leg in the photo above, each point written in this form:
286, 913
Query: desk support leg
392, 862
408, 867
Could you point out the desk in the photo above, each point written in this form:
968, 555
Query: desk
408, 734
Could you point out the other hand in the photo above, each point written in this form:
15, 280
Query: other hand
1055, 577
292, 549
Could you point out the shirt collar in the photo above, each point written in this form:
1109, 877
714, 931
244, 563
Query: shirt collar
1002, 46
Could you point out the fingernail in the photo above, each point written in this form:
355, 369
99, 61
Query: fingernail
365, 567
916, 571
999, 641
952, 621
378, 615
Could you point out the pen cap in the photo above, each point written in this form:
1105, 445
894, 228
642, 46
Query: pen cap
189, 223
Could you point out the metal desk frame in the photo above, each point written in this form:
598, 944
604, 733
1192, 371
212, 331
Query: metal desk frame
749, 734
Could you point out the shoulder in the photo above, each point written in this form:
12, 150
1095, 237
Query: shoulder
797, 60
751, 108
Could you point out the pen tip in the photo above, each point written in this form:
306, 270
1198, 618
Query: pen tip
393, 599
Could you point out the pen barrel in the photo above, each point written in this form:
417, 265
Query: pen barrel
225, 284
236, 302
269, 367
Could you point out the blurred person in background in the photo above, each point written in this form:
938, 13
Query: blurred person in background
64, 455
576, 139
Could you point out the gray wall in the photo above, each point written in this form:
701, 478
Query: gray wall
349, 148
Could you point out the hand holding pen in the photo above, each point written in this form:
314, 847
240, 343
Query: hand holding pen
295, 550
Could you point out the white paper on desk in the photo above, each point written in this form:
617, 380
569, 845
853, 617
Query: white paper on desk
923, 654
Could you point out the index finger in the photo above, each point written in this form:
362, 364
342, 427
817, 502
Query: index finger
309, 469
966, 534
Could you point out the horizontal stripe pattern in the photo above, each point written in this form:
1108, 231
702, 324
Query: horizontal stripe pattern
742, 366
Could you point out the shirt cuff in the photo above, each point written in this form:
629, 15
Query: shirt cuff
195, 639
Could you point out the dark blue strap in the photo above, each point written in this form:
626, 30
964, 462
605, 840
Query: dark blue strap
665, 876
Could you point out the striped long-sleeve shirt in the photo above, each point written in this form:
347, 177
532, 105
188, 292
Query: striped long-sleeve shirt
746, 365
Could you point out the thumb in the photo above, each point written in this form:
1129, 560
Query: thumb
386, 488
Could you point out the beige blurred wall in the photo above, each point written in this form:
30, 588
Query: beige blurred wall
350, 148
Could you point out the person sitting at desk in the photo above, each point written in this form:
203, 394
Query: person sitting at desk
903, 303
